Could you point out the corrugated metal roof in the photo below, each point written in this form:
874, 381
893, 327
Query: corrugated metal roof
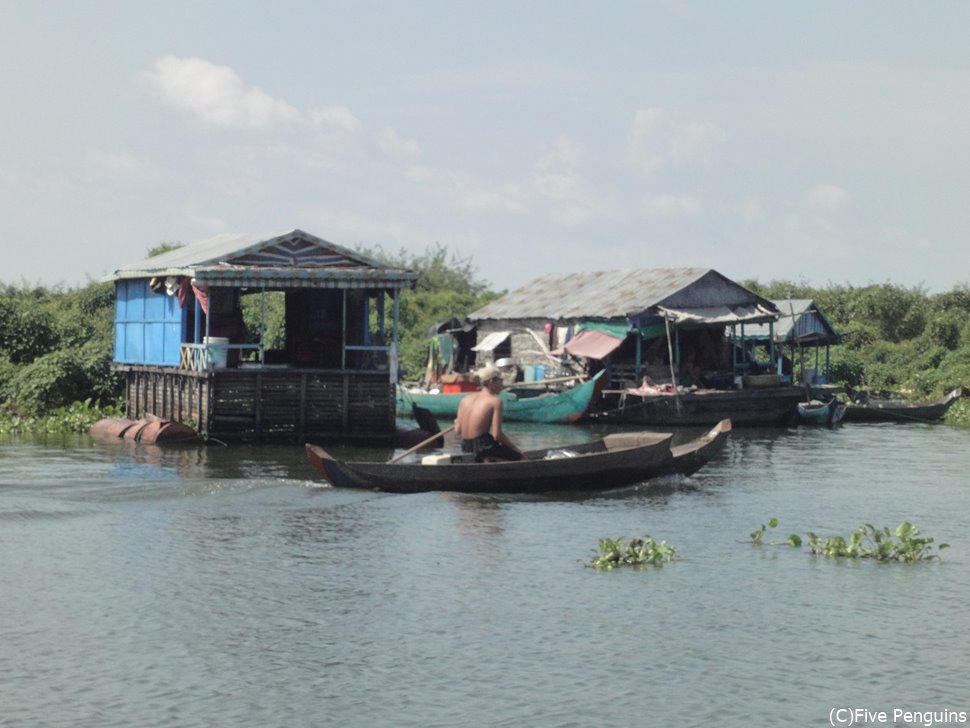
616, 294
290, 258
800, 320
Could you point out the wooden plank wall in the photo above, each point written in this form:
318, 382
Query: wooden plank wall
285, 405
156, 391
291, 405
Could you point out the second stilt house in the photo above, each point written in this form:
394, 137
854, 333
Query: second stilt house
660, 334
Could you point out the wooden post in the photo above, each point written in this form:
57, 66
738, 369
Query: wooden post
301, 421
258, 393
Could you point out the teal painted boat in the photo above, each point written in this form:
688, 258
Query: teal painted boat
821, 414
556, 407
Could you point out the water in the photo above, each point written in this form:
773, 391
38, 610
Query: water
228, 587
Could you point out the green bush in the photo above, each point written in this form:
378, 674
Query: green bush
27, 330
53, 380
944, 330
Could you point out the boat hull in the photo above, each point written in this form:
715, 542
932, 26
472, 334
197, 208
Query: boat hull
553, 408
821, 414
635, 458
770, 407
901, 411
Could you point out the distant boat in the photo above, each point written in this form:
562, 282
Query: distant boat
617, 460
821, 414
873, 409
555, 407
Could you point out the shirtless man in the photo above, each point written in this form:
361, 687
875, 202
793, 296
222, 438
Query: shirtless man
479, 421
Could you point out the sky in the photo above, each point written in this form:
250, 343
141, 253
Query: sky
820, 142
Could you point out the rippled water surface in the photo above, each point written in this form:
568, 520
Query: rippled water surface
228, 587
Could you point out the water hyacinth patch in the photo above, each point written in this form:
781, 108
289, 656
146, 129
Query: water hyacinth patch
904, 543
757, 536
637, 552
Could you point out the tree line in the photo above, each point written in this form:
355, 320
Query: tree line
56, 345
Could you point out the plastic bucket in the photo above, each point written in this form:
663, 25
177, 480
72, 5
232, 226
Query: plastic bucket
217, 351
530, 373
540, 372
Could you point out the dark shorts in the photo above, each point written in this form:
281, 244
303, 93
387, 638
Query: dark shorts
486, 446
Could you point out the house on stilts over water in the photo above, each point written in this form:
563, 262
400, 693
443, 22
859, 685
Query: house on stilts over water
804, 332
187, 354
672, 341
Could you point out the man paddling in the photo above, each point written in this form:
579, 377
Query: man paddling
479, 421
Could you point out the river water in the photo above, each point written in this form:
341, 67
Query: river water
228, 587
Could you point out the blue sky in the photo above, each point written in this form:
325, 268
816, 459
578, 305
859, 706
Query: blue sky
823, 142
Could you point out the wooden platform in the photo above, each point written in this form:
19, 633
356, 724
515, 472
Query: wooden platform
266, 404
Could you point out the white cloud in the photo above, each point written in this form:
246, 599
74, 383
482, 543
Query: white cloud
556, 174
655, 139
339, 117
695, 138
218, 96
394, 146
465, 192
558, 178
657, 207
101, 166
643, 142
827, 197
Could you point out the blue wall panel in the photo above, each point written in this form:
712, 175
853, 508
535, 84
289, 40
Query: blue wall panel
148, 325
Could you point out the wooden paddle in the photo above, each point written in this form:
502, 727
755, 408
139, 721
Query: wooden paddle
420, 445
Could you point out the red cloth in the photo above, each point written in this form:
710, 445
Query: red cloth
202, 295
185, 285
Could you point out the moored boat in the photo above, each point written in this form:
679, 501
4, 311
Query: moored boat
899, 410
551, 408
615, 461
821, 414
767, 407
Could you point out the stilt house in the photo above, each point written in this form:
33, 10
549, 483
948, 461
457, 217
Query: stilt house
807, 335
651, 322
187, 354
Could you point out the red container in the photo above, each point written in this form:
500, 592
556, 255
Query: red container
459, 387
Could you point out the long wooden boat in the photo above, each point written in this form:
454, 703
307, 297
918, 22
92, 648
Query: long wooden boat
821, 414
754, 407
615, 461
899, 410
555, 407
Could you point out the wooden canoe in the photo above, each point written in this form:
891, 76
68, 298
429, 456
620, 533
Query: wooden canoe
552, 408
615, 461
897, 410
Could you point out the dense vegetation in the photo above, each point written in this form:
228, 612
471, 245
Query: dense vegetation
894, 338
56, 348
448, 288
56, 345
